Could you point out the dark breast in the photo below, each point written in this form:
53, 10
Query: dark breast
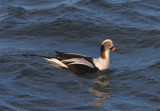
82, 69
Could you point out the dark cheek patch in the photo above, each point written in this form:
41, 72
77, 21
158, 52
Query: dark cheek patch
102, 48
102, 52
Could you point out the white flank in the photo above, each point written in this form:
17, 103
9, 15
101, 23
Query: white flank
101, 64
79, 61
56, 62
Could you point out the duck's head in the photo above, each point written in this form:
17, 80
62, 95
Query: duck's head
106, 47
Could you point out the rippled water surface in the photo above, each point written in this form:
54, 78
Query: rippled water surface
40, 27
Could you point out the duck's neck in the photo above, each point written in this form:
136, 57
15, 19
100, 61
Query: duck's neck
104, 55
102, 62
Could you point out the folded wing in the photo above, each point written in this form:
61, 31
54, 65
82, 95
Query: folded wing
77, 62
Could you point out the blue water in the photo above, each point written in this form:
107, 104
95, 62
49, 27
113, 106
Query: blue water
40, 27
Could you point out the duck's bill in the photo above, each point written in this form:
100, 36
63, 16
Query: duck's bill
112, 48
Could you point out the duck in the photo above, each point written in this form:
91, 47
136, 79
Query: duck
83, 64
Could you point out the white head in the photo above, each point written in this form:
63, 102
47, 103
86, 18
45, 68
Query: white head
106, 46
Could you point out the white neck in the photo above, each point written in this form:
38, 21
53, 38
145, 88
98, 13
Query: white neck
102, 64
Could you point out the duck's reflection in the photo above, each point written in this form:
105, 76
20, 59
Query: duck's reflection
101, 89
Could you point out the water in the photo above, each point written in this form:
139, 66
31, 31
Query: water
132, 82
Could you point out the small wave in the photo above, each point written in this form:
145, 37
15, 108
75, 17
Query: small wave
155, 66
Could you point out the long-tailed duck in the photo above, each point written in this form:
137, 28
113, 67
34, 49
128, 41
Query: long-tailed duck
84, 64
